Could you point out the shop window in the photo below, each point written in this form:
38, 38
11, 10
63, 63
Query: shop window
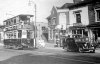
85, 33
79, 31
73, 31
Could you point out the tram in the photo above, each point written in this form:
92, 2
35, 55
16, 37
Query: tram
18, 32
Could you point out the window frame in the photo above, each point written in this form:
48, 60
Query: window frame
96, 16
77, 19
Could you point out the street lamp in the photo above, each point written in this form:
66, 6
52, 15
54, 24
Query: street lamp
32, 2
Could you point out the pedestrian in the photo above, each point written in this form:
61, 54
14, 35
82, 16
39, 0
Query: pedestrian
64, 42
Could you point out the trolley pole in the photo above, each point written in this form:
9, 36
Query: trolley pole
35, 29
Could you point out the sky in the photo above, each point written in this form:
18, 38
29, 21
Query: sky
11, 8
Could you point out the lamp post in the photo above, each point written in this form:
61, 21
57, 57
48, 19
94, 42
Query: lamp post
35, 34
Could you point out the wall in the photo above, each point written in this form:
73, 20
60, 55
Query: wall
64, 19
39, 29
84, 15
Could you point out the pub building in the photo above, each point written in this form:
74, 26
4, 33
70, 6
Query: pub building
78, 31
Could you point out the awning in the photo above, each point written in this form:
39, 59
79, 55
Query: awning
77, 27
58, 27
63, 27
94, 25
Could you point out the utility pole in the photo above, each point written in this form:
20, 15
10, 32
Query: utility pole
35, 30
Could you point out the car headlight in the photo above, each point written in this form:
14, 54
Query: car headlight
85, 44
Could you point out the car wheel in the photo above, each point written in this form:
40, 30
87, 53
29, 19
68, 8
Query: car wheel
80, 50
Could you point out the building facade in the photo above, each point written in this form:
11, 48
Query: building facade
81, 18
84, 19
1, 33
42, 31
57, 23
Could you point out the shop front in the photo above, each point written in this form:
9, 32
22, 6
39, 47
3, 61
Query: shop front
78, 31
95, 31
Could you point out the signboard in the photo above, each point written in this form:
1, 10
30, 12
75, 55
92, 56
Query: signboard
77, 24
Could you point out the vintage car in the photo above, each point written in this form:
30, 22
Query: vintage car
78, 44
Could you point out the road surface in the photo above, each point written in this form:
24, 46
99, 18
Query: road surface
47, 56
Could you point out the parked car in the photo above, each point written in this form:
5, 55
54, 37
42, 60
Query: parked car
72, 44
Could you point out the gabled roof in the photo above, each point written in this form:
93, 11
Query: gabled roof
83, 3
66, 5
95, 24
49, 17
20, 16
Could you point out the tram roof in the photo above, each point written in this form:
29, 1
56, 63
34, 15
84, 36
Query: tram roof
19, 16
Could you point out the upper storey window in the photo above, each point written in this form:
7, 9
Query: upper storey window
78, 16
98, 15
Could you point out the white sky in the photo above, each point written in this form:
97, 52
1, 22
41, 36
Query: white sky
10, 8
